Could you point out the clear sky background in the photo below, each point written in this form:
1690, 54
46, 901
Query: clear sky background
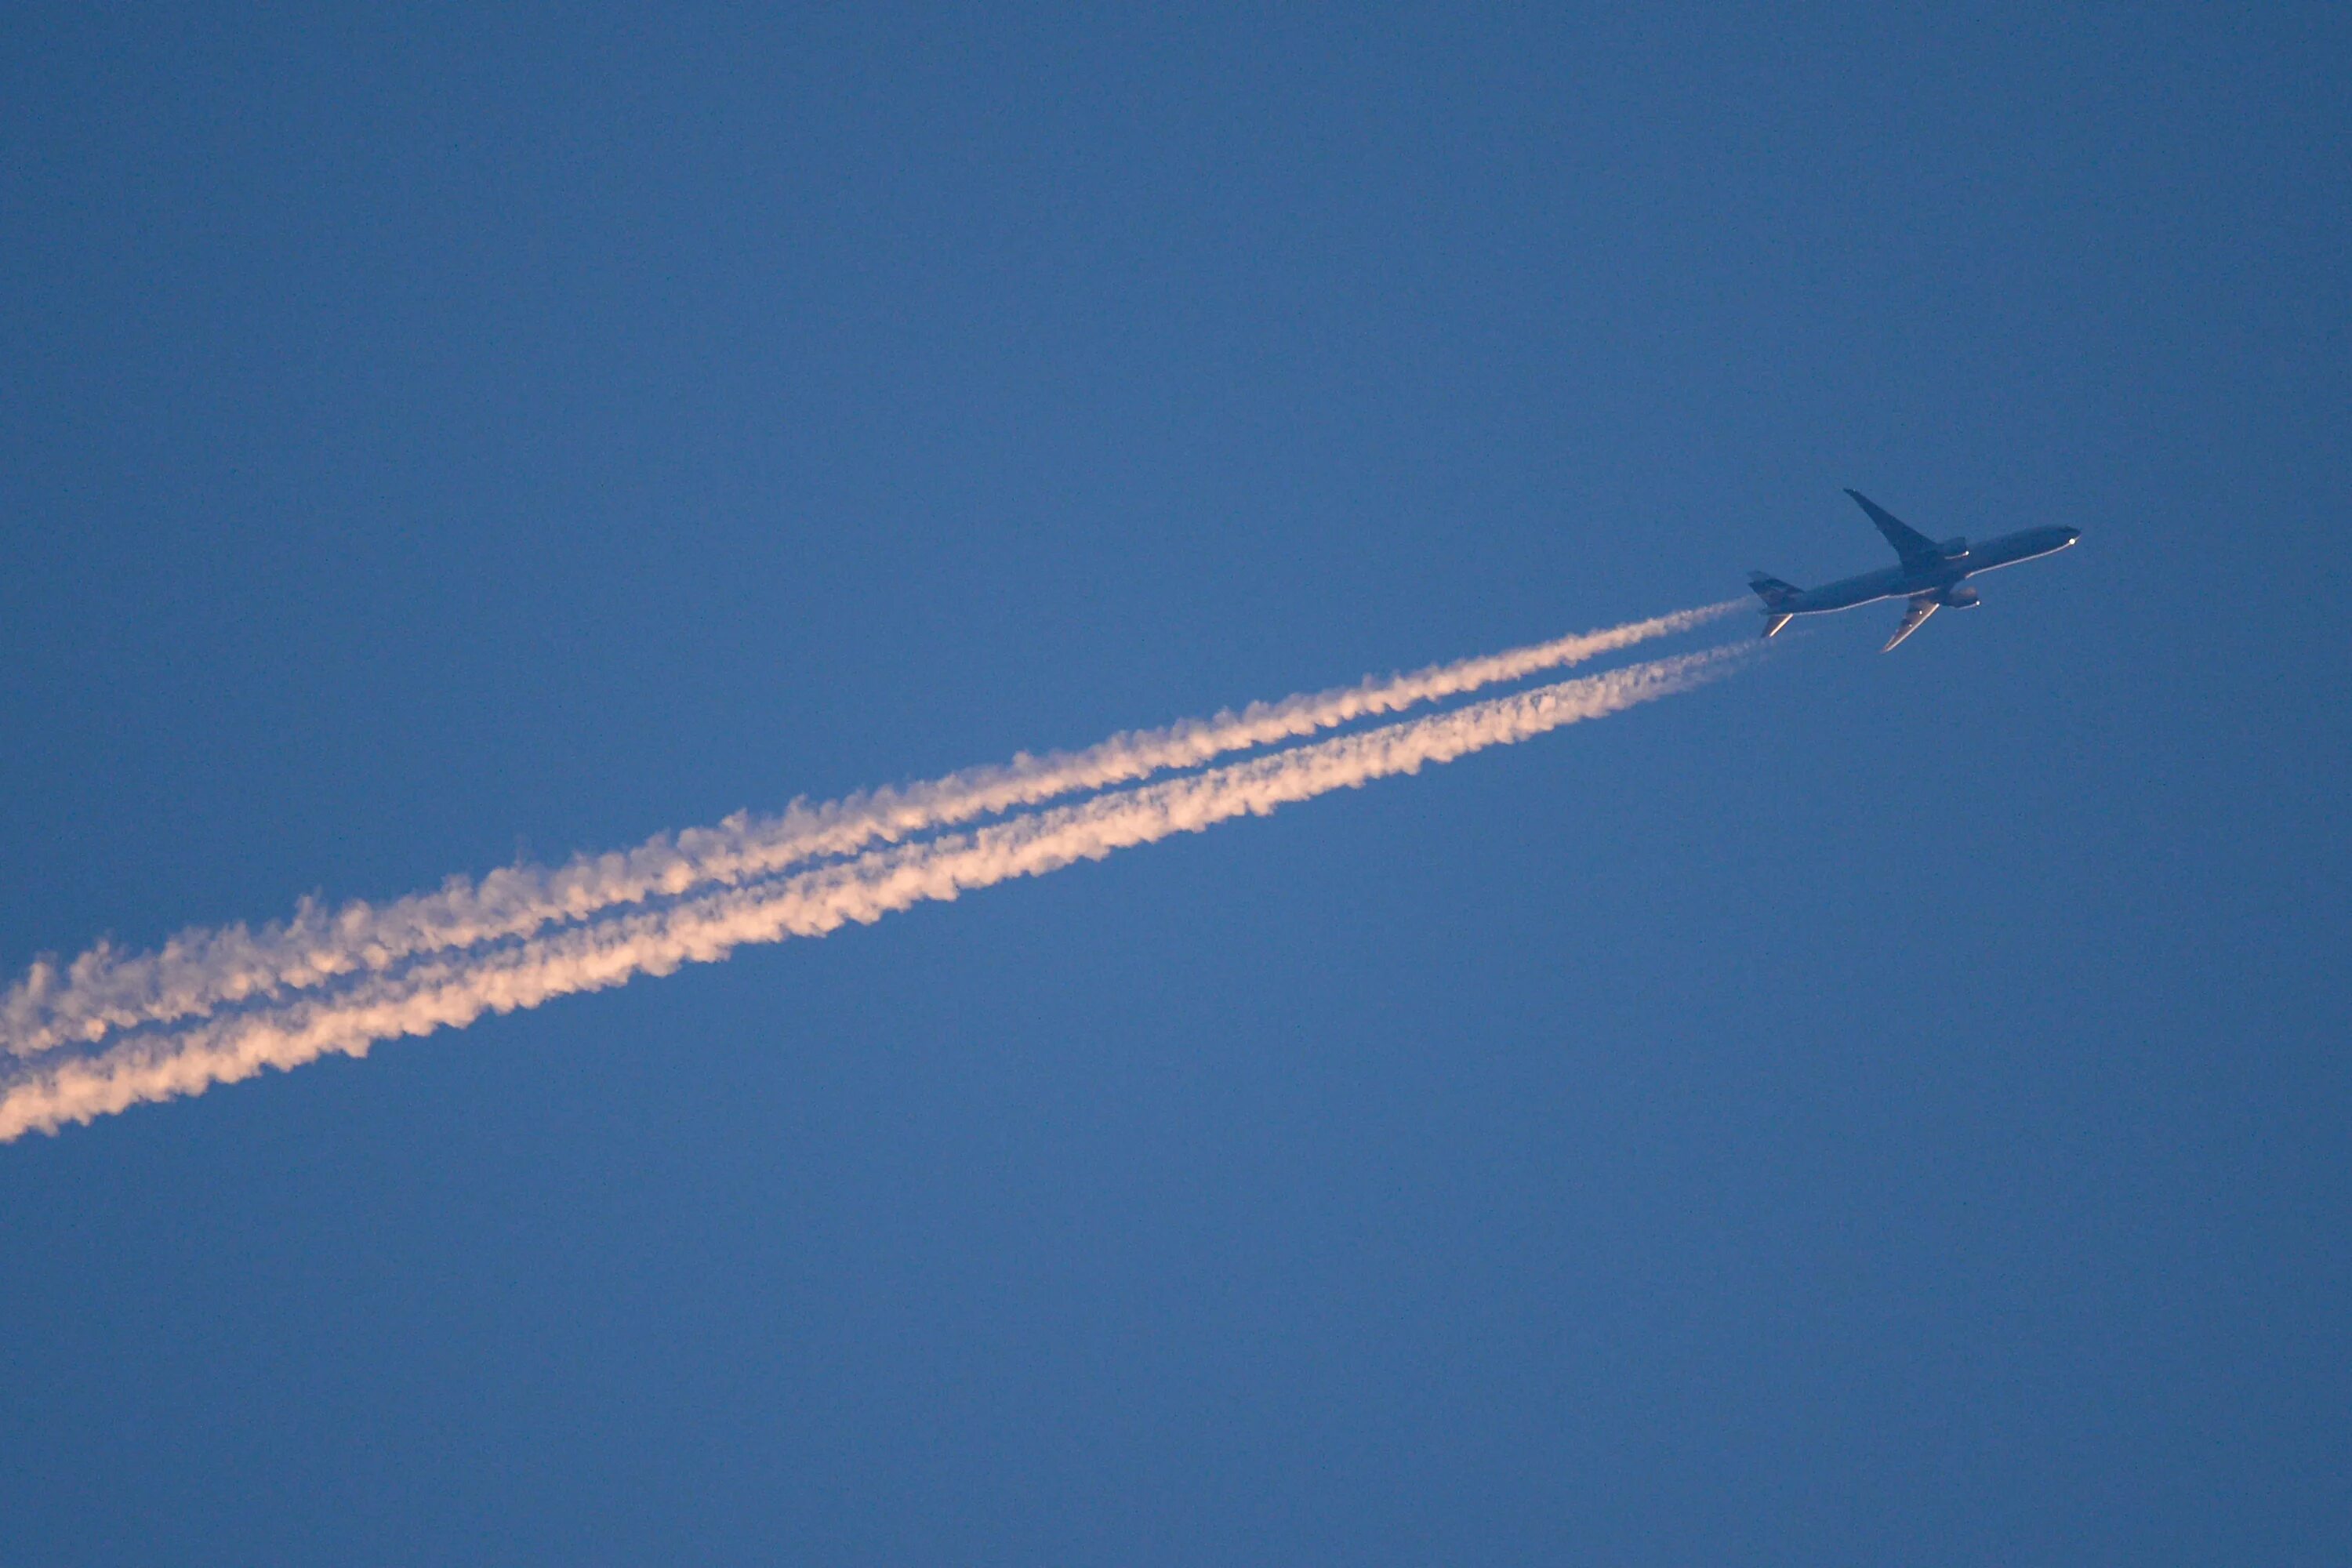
1870, 1109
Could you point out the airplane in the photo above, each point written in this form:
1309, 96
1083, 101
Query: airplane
1931, 576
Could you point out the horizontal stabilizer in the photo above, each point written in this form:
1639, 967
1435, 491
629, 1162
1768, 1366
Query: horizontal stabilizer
1773, 623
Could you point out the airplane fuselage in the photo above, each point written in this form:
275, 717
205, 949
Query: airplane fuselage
1902, 581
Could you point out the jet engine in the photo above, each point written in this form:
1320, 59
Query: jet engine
1954, 549
1958, 596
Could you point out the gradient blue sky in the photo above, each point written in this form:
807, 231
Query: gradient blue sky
1875, 1107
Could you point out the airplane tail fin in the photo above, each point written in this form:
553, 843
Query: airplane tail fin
1771, 590
1776, 595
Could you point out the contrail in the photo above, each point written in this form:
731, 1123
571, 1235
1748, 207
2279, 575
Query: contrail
199, 972
452, 989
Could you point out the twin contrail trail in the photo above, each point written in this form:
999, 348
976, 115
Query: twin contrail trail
103, 992
109, 1032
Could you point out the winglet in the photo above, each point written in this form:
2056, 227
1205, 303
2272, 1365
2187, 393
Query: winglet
1868, 505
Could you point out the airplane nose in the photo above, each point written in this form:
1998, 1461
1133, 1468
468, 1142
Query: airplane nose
2072, 534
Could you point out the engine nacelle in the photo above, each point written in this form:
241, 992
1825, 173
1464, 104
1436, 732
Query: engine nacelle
1954, 549
1958, 596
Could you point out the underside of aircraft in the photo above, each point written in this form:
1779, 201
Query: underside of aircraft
1932, 574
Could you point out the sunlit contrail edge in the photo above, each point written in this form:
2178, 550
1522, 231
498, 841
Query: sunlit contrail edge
199, 972
451, 990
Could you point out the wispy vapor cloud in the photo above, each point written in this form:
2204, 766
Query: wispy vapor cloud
197, 972
451, 989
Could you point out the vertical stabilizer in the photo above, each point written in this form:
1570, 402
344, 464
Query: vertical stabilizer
1776, 596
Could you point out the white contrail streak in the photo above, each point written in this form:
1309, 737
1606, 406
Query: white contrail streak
199, 972
451, 990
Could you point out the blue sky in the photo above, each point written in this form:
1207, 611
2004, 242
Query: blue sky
1868, 1107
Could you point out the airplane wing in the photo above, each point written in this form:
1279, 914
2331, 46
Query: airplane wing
1922, 606
1915, 548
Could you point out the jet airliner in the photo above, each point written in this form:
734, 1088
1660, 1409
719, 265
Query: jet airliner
1932, 575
